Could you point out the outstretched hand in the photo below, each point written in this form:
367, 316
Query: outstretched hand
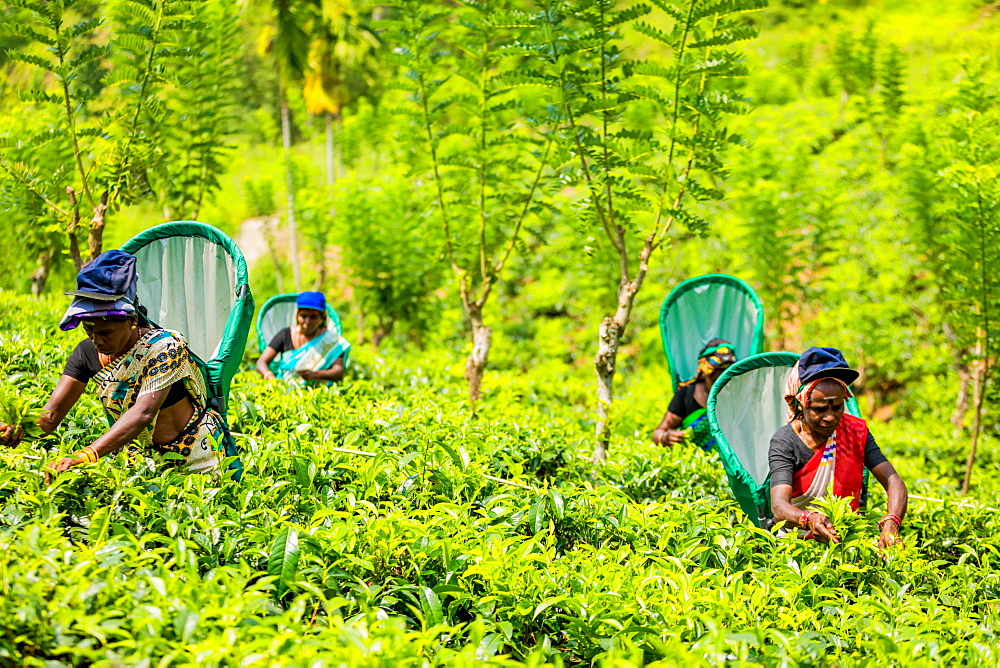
889, 536
668, 437
822, 528
58, 466
10, 436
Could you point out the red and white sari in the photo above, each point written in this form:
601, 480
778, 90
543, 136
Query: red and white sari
840, 465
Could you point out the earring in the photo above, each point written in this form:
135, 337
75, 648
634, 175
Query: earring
133, 325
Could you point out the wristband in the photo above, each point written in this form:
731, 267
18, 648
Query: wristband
896, 518
87, 454
804, 518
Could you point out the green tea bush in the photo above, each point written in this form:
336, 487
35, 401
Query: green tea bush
459, 539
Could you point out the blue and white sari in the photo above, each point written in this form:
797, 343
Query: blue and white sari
317, 354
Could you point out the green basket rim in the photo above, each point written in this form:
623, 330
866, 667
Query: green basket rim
756, 343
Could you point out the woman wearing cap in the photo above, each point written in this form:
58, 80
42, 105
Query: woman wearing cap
308, 353
686, 419
823, 448
146, 378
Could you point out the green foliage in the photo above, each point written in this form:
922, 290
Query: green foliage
101, 100
286, 39
642, 135
260, 197
202, 110
769, 195
458, 542
952, 189
470, 135
20, 411
391, 254
343, 58
854, 60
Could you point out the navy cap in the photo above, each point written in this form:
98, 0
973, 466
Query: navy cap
311, 299
108, 277
825, 363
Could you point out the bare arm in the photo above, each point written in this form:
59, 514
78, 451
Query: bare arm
68, 391
123, 431
783, 510
665, 433
264, 360
895, 490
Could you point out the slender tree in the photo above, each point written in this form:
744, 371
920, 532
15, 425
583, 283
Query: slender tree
286, 42
341, 67
483, 155
641, 172
957, 217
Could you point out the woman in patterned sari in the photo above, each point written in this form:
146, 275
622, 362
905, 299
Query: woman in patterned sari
146, 378
824, 450
309, 353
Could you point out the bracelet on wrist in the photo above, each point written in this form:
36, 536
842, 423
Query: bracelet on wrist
895, 518
88, 454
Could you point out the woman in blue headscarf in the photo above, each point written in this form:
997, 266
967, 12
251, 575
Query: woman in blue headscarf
309, 352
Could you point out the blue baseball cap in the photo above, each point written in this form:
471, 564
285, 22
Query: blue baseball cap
108, 277
825, 363
311, 299
105, 288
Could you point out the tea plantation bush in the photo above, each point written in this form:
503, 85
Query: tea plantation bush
463, 540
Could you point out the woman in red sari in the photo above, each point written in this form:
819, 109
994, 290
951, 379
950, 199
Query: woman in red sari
824, 449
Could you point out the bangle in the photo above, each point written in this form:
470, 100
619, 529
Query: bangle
804, 518
895, 518
88, 454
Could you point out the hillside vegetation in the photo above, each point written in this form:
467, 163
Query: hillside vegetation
494, 195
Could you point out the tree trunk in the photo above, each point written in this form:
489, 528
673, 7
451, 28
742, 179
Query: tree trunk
320, 274
482, 338
331, 173
95, 239
979, 390
41, 273
286, 141
606, 362
962, 401
964, 381
382, 330
331, 178
361, 327
74, 242
338, 155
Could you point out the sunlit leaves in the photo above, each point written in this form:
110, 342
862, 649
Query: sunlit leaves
104, 105
415, 556
283, 560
